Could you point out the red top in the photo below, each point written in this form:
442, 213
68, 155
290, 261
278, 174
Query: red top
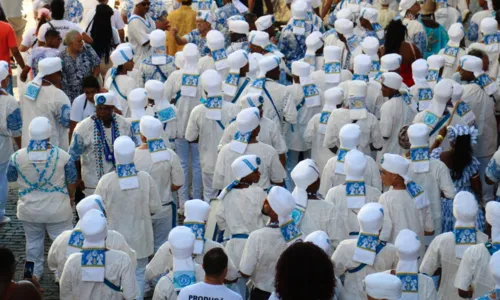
7, 41
405, 72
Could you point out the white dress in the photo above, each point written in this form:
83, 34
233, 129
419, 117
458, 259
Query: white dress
165, 287
138, 31
314, 138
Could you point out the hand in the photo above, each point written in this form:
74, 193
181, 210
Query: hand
443, 131
24, 73
166, 25
80, 184
174, 30
35, 282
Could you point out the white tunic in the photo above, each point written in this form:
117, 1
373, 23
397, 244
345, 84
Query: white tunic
208, 132
57, 257
260, 256
271, 169
426, 287
138, 31
353, 282
483, 108
240, 213
370, 130
294, 133
163, 261
416, 34
53, 104
331, 179
374, 97
394, 114
118, 271
315, 139
401, 212
270, 133
165, 174
474, 270
207, 63
129, 211
124, 85
165, 287
345, 217
436, 181
10, 125
448, 70
319, 78
184, 104
441, 254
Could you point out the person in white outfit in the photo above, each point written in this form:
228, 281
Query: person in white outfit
158, 65
370, 47
388, 63
446, 250
137, 101
185, 271
332, 72
494, 267
356, 258
71, 241
382, 286
140, 193
453, 52
46, 176
314, 51
236, 80
140, 25
333, 174
206, 125
97, 272
421, 91
217, 59
409, 10
436, 68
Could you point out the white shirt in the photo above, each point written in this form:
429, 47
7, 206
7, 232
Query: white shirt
207, 291
30, 38
78, 112
116, 19
62, 26
320, 215
8, 114
315, 139
138, 35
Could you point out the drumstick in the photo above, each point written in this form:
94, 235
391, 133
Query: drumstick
453, 113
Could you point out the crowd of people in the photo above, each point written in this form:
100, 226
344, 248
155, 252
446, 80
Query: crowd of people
249, 149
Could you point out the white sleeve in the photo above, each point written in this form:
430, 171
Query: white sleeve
76, 114
117, 20
136, 31
128, 281
116, 37
42, 31
76, 27
27, 38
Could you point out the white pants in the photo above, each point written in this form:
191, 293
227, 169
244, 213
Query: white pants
140, 271
209, 192
35, 239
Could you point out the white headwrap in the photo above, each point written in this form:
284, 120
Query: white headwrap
475, 64
456, 33
355, 189
120, 56
465, 211
152, 130
124, 150
489, 29
436, 62
196, 212
420, 71
356, 97
211, 82
163, 110
40, 131
320, 239
299, 18
95, 230
264, 22
463, 109
46, 66
137, 101
241, 167
442, 94
236, 60
404, 5
314, 42
4, 70
246, 121
309, 88
333, 97
182, 241
215, 41
408, 246
493, 218
303, 175
370, 47
190, 72
283, 203
349, 136
495, 271
332, 66
383, 286
371, 219
157, 40
419, 152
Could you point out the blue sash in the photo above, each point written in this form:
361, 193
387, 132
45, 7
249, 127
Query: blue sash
177, 96
174, 213
220, 124
379, 248
158, 69
272, 102
440, 123
243, 86
491, 248
239, 236
118, 90
298, 107
112, 286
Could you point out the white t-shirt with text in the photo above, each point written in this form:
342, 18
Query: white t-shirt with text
204, 291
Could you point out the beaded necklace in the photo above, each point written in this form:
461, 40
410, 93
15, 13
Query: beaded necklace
101, 144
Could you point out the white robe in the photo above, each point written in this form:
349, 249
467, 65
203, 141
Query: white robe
118, 271
184, 104
331, 179
370, 130
125, 84
138, 31
441, 254
129, 211
240, 213
271, 169
270, 133
401, 212
260, 256
426, 287
315, 139
208, 132
448, 71
57, 257
416, 34
434, 182
353, 282
207, 63
53, 104
319, 78
345, 217
374, 97
162, 261
165, 287
474, 270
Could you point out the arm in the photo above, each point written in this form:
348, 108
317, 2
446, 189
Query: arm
11, 170
54, 252
65, 284
128, 280
386, 118
428, 221
220, 216
177, 174
251, 6
87, 39
249, 258
326, 8
278, 172
193, 128
385, 234
72, 125
15, 123
158, 264
154, 197
432, 259
70, 174
465, 274
269, 6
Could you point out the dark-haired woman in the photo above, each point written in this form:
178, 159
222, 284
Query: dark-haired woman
30, 36
464, 169
396, 44
304, 271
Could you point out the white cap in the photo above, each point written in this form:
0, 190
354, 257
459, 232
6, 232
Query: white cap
4, 70
303, 175
370, 45
237, 60
404, 5
268, 63
420, 68
344, 27
357, 90
345, 13
457, 92
190, 50
493, 214
495, 268
488, 26
181, 240
333, 97
371, 218
383, 286
300, 68
418, 135
121, 56
390, 62
47, 66
408, 245
215, 40
349, 136
465, 208
137, 101
355, 165
442, 94
105, 99
245, 165
238, 26
124, 150
395, 164
94, 227
299, 10
151, 127
40, 129
370, 14
456, 33
253, 61
259, 38
362, 64
472, 64
179, 59
282, 202
204, 15
157, 38
392, 80
211, 81
155, 90
88, 203
264, 22
320, 239
247, 120
196, 210
436, 62
314, 41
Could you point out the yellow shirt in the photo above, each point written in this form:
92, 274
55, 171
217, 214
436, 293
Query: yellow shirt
184, 18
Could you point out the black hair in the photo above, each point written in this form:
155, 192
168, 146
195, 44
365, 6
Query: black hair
51, 33
57, 8
3, 17
397, 31
304, 271
43, 20
7, 261
477, 53
91, 82
215, 262
461, 156
102, 31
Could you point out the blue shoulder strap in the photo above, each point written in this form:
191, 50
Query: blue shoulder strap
112, 285
158, 69
439, 124
221, 125
118, 90
272, 102
177, 96
379, 248
238, 94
